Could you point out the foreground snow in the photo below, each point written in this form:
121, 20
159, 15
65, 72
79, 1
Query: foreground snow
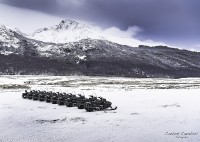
143, 115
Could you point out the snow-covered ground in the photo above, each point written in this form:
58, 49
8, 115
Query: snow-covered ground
148, 111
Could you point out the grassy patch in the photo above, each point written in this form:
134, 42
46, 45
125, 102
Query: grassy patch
14, 86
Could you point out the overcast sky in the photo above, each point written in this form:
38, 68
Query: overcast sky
175, 22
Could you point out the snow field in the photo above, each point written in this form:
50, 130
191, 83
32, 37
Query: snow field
143, 115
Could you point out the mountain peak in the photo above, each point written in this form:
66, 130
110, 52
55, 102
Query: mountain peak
68, 24
66, 31
4, 27
71, 31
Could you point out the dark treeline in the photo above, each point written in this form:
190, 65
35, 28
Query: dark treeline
27, 65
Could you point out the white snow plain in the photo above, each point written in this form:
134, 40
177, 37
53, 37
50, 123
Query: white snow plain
148, 111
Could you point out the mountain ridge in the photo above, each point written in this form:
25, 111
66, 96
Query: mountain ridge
71, 31
22, 55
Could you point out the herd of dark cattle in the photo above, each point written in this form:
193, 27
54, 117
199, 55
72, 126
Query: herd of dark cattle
70, 100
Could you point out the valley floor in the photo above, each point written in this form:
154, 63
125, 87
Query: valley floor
144, 114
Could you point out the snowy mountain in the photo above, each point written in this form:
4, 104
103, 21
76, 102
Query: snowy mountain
72, 31
7, 37
22, 55
66, 31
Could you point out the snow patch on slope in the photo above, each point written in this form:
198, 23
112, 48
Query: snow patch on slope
7, 37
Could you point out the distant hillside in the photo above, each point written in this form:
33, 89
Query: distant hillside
93, 57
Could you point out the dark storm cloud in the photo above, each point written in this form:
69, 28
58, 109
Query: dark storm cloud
42, 5
168, 20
